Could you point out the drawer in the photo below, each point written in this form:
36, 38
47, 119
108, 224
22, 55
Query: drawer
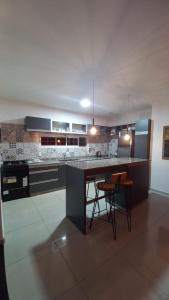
40, 188
36, 177
43, 169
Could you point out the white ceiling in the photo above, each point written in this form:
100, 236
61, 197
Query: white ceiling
51, 50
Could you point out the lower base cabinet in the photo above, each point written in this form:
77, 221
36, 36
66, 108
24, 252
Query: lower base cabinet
43, 179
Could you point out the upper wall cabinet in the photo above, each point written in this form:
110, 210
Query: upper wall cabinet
101, 130
78, 128
37, 124
60, 127
48, 125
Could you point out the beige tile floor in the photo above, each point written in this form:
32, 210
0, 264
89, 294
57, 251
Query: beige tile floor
48, 258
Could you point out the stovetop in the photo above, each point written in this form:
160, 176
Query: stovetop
14, 162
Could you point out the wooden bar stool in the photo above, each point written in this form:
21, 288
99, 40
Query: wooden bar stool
122, 201
109, 189
119, 187
91, 179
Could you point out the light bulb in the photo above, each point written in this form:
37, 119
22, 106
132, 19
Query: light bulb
126, 137
93, 130
85, 103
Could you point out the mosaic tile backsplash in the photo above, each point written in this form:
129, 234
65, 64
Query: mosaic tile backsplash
17, 144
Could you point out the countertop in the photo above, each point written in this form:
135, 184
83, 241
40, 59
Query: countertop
45, 162
65, 161
94, 164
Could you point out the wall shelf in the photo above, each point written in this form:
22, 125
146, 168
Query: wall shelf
61, 127
79, 128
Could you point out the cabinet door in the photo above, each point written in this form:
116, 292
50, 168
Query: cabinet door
43, 180
37, 124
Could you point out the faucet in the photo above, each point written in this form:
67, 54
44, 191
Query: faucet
98, 153
64, 155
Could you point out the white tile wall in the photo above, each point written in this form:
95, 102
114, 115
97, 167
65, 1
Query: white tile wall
30, 151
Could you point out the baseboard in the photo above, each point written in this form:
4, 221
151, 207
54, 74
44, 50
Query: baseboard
159, 192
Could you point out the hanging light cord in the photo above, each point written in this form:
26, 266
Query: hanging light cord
93, 102
128, 114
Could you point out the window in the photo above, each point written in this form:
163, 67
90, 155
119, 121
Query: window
63, 141
47, 141
53, 141
72, 141
60, 141
82, 142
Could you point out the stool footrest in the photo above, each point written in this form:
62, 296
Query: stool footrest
94, 199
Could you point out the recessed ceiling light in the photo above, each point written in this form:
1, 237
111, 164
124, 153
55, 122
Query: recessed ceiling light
85, 102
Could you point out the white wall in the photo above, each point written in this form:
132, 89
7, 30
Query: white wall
160, 167
131, 117
14, 112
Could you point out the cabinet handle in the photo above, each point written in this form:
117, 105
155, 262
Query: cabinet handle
43, 181
44, 171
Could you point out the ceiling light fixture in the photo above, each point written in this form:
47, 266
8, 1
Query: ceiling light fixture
93, 129
85, 103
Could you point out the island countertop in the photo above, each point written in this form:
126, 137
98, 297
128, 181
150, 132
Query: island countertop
102, 163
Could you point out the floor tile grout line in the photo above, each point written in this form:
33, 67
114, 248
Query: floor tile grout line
97, 267
24, 226
59, 250
140, 275
132, 265
86, 295
116, 253
21, 258
69, 267
121, 249
42, 218
70, 289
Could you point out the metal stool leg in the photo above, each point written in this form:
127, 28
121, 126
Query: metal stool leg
129, 220
96, 196
128, 195
114, 222
107, 212
111, 200
93, 212
87, 193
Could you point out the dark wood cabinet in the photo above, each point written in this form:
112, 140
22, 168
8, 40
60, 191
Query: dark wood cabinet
45, 178
142, 139
37, 124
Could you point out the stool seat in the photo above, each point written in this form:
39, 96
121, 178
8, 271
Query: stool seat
105, 186
90, 178
126, 183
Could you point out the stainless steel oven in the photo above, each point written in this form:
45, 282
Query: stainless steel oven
14, 180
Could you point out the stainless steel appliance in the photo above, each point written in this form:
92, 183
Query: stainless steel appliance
14, 180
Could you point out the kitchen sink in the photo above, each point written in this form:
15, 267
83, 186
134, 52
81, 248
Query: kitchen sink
67, 159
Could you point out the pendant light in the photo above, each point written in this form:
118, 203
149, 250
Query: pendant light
127, 134
93, 129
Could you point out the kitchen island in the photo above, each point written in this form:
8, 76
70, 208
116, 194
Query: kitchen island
77, 171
